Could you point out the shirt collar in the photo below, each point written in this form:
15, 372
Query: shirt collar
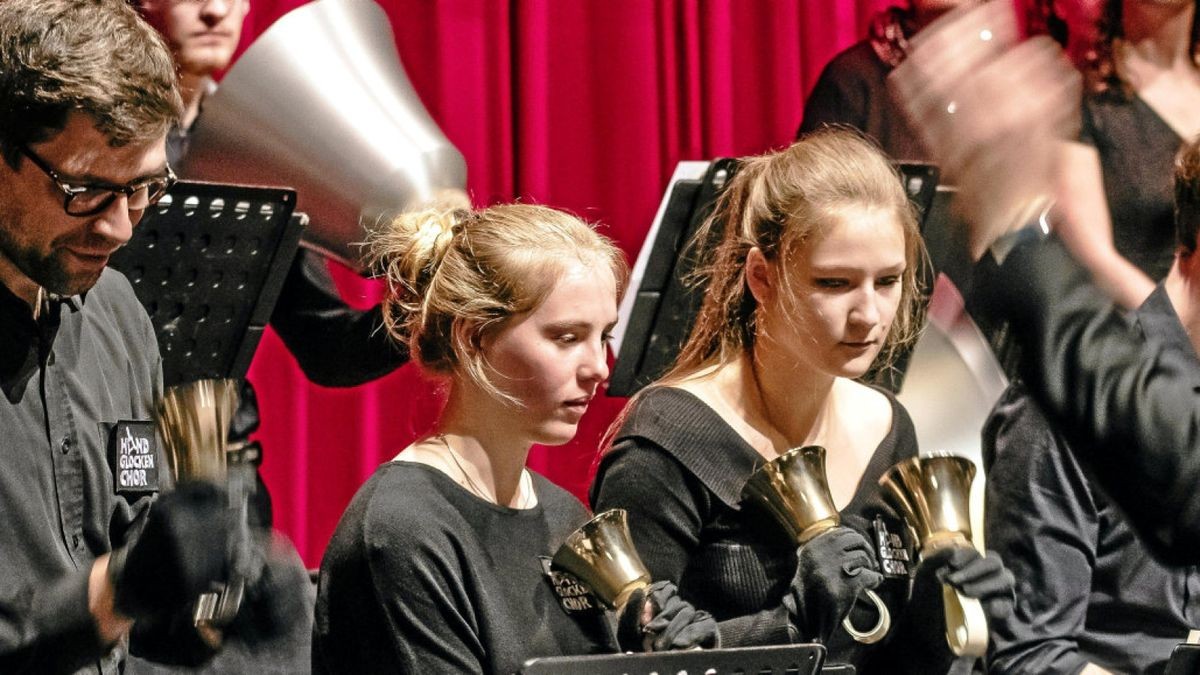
686, 428
19, 330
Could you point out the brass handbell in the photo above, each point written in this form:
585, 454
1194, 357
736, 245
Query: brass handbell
193, 422
933, 494
601, 555
794, 489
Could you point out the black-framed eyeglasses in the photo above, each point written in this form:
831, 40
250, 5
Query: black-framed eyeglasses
92, 198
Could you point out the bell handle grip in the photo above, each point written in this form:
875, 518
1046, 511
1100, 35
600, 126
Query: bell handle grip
966, 624
876, 632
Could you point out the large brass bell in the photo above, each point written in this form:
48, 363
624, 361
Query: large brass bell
933, 493
794, 489
601, 555
193, 422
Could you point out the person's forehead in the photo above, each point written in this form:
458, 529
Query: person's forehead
82, 152
849, 230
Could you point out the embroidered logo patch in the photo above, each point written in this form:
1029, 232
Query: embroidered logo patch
134, 451
893, 554
575, 597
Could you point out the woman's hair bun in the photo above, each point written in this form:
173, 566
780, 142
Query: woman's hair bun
408, 248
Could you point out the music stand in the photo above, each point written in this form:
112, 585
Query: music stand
208, 262
1185, 660
803, 659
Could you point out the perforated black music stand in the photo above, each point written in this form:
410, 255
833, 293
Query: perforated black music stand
208, 262
782, 660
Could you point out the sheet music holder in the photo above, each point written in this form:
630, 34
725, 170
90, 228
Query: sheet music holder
802, 659
1185, 660
208, 262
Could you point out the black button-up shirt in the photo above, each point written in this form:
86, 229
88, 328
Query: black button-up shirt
65, 379
1087, 588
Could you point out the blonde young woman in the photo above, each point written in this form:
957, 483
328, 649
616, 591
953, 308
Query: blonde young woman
814, 276
437, 564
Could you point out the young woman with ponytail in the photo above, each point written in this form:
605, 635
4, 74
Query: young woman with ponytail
813, 277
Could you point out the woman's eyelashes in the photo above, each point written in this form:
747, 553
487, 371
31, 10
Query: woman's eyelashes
831, 283
835, 283
575, 336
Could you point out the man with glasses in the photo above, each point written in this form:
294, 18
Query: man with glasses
87, 95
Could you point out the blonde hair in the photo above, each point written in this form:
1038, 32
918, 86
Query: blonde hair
454, 276
778, 202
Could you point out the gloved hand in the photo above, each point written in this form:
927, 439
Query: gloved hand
833, 569
656, 619
279, 595
278, 598
974, 575
180, 553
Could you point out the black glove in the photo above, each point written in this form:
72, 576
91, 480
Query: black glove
278, 597
974, 575
656, 619
832, 570
180, 553
170, 638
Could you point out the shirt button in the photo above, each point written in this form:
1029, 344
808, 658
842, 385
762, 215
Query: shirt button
74, 541
65, 445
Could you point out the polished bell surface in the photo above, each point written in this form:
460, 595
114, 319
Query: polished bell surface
933, 494
321, 103
794, 489
601, 555
193, 421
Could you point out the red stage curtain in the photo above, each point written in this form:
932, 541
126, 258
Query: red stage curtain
585, 105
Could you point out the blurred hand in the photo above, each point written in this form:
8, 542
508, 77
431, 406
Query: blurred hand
990, 112
656, 619
832, 570
181, 552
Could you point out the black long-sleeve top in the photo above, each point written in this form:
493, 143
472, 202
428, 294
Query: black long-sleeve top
1128, 407
1089, 591
678, 469
422, 576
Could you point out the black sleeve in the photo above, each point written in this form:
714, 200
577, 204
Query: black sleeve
666, 507
335, 344
1042, 519
1126, 406
431, 631
395, 603
839, 97
49, 629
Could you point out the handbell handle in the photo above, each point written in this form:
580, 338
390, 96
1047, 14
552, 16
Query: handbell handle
966, 624
880, 629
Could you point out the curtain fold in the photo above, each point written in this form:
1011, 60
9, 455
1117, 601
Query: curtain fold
585, 105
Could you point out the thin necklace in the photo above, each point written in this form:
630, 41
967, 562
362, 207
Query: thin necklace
527, 490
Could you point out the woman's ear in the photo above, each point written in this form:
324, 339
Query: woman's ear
468, 341
760, 276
